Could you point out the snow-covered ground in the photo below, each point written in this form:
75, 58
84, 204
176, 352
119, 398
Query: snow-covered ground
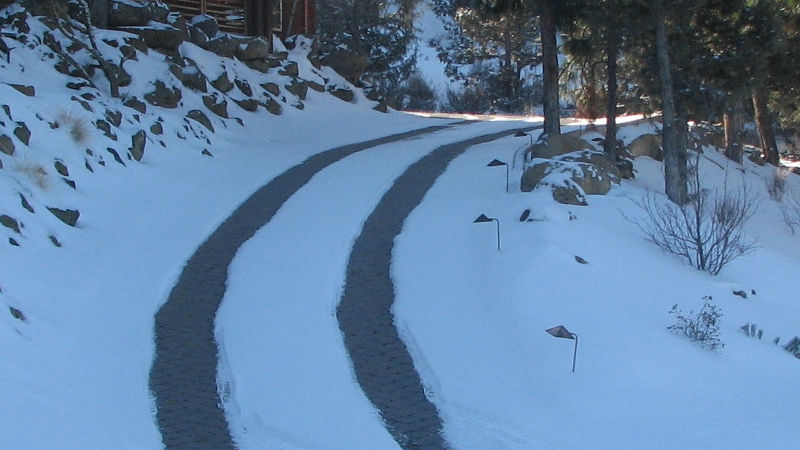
75, 371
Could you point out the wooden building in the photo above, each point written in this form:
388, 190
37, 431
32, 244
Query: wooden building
282, 18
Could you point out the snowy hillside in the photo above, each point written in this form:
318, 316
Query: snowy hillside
77, 302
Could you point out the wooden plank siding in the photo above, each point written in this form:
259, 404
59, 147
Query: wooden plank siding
254, 17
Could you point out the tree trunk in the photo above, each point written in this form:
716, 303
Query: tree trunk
674, 157
764, 125
612, 44
552, 126
733, 123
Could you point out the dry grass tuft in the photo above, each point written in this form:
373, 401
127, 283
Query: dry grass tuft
78, 126
34, 171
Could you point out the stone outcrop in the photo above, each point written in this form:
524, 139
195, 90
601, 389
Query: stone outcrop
646, 145
572, 176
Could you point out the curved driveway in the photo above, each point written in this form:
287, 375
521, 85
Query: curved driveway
183, 378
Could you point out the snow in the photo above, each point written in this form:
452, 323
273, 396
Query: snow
75, 371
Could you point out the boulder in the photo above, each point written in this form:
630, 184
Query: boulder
23, 133
164, 37
298, 88
248, 104
201, 118
166, 97
190, 76
135, 103
138, 142
219, 108
68, 216
572, 176
557, 145
646, 145
342, 94
127, 13
7, 145
252, 48
222, 45
9, 222
244, 87
222, 83
290, 69
205, 23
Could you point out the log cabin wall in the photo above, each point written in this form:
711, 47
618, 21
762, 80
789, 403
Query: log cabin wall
255, 17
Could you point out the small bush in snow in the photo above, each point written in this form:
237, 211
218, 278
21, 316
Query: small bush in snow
708, 231
776, 184
790, 206
77, 126
470, 99
35, 172
702, 327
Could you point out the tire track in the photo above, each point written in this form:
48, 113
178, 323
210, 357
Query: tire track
383, 366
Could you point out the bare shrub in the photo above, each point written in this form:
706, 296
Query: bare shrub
790, 206
776, 184
78, 126
702, 328
416, 94
35, 172
708, 231
470, 99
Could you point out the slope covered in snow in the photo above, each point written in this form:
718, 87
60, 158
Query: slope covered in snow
76, 320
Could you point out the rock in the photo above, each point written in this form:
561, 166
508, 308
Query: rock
164, 96
557, 145
342, 94
138, 142
115, 117
223, 83
580, 260
164, 37
221, 45
126, 13
272, 105
568, 194
205, 23
135, 103
264, 64
316, 86
23, 133
272, 88
61, 168
190, 76
249, 104
17, 314
9, 222
68, 216
105, 127
157, 129
646, 145
290, 69
200, 117
7, 145
25, 204
572, 176
346, 63
55, 241
244, 87
219, 108
116, 156
298, 88
205, 152
625, 169
381, 107
252, 48
29, 91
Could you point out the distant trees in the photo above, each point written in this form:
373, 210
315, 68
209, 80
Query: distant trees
381, 32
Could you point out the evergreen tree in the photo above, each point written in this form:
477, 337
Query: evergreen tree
382, 32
